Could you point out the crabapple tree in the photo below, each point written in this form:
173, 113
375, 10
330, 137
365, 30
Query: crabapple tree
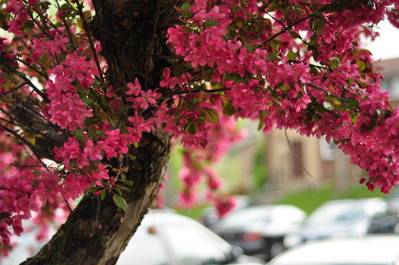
92, 95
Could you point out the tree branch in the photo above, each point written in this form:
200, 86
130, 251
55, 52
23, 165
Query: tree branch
328, 93
287, 28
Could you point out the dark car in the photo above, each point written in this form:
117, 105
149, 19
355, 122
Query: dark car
260, 230
339, 218
167, 238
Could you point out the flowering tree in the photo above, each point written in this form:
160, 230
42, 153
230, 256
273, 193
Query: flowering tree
102, 88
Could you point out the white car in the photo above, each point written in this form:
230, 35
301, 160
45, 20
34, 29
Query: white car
339, 218
163, 238
367, 250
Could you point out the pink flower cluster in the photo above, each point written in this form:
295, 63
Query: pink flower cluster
291, 88
66, 107
143, 99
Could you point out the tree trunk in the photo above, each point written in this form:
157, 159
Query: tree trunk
132, 39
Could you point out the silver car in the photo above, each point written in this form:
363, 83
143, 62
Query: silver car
339, 218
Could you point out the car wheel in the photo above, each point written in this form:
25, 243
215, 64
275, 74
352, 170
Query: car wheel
276, 249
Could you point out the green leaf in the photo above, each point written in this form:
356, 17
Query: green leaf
120, 202
203, 96
261, 123
185, 8
208, 74
19, 74
334, 63
129, 182
79, 135
111, 121
228, 108
191, 127
273, 57
121, 187
361, 83
295, 35
291, 56
102, 194
320, 108
87, 100
119, 191
211, 115
105, 163
132, 157
210, 23
249, 48
361, 65
29, 24
351, 105
274, 6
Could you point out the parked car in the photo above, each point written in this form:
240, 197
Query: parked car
260, 230
339, 218
167, 238
393, 200
387, 224
367, 250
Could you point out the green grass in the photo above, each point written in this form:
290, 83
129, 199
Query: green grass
309, 200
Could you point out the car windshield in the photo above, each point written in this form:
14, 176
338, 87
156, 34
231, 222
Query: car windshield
248, 215
336, 213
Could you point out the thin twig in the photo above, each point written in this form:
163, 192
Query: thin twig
33, 148
328, 93
93, 49
69, 206
67, 28
44, 75
30, 128
199, 90
37, 90
13, 89
287, 28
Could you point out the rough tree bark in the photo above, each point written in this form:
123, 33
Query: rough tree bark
133, 42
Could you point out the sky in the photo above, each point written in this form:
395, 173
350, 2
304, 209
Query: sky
386, 46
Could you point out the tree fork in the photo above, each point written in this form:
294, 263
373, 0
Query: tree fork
97, 237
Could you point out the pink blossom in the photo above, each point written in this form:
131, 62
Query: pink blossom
134, 89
